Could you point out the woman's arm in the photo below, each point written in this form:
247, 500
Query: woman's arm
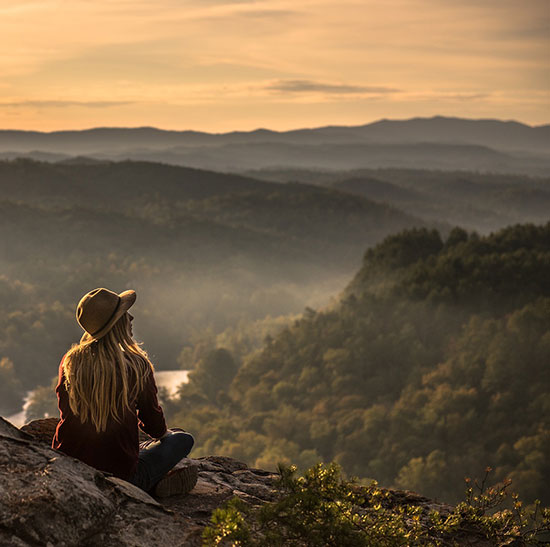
61, 392
149, 412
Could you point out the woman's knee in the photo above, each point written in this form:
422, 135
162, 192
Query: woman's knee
183, 440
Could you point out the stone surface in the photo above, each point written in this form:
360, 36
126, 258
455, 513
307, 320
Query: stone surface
49, 499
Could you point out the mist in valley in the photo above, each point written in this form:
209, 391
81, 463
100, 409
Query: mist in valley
204, 251
336, 218
344, 297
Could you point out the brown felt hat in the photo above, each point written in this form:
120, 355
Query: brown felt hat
100, 309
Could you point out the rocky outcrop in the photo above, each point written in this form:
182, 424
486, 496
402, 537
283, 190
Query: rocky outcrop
49, 499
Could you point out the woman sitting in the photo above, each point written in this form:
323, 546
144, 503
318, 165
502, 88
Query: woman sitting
106, 390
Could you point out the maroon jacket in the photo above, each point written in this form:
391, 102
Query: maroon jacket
116, 449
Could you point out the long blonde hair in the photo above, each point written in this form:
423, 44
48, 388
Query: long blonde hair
105, 377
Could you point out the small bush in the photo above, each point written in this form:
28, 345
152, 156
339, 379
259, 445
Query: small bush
321, 508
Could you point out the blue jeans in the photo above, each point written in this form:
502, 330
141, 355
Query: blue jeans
158, 457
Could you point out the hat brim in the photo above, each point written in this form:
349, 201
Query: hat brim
127, 299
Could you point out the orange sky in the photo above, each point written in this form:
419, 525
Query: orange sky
218, 65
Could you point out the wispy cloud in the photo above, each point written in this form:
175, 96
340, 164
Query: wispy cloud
226, 64
447, 96
467, 96
63, 104
311, 86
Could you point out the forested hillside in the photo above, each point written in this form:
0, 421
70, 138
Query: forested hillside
433, 366
483, 202
205, 251
433, 363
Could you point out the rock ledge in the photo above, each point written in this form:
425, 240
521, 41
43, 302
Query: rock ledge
49, 499
52, 500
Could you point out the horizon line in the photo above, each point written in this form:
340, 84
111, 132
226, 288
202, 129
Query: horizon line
258, 129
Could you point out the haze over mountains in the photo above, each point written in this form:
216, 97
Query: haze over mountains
208, 250
478, 201
218, 248
204, 250
225, 263
431, 143
432, 365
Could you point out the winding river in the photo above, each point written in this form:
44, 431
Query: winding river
168, 379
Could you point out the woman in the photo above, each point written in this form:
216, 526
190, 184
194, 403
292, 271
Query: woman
106, 390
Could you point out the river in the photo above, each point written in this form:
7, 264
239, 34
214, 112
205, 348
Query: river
169, 379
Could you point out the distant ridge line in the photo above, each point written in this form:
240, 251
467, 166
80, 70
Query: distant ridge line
381, 121
485, 145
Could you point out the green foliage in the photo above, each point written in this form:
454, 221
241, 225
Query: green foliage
213, 374
228, 524
404, 249
320, 508
317, 509
485, 509
435, 371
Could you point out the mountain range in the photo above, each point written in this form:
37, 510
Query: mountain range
201, 248
436, 143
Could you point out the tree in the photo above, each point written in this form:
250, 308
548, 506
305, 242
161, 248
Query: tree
213, 373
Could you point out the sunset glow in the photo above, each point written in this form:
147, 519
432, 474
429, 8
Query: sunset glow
218, 65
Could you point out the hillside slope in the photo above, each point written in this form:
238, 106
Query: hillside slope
204, 251
484, 202
435, 362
